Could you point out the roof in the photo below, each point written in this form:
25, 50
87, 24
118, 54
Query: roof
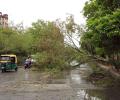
11, 55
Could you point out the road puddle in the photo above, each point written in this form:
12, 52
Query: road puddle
84, 90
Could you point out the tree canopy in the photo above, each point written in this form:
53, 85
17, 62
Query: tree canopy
102, 36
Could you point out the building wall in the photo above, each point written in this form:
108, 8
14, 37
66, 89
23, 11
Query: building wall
3, 20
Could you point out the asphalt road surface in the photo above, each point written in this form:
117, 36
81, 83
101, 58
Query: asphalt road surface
32, 85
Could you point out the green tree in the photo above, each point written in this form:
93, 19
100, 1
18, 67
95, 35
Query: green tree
48, 44
12, 41
102, 37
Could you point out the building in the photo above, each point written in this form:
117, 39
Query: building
3, 20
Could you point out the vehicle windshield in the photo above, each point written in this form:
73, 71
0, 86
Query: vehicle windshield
4, 58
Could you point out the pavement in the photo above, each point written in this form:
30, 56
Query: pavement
29, 85
34, 85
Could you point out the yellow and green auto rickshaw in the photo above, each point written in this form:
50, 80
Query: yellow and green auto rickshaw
8, 62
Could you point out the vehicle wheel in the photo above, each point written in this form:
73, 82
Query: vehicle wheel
3, 70
16, 69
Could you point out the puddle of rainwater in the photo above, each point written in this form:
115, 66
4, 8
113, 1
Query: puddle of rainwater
90, 92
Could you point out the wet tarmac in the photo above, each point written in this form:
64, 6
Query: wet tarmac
32, 85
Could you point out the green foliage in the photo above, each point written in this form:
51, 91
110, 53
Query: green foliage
102, 36
48, 44
99, 51
44, 40
11, 41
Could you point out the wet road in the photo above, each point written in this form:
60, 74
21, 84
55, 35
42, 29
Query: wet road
30, 85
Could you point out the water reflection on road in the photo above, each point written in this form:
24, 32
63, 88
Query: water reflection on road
26, 75
84, 90
80, 85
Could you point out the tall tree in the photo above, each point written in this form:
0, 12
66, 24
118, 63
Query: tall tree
103, 28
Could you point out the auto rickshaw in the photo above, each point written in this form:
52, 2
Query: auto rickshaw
8, 62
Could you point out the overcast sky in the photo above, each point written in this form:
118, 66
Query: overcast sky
28, 11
